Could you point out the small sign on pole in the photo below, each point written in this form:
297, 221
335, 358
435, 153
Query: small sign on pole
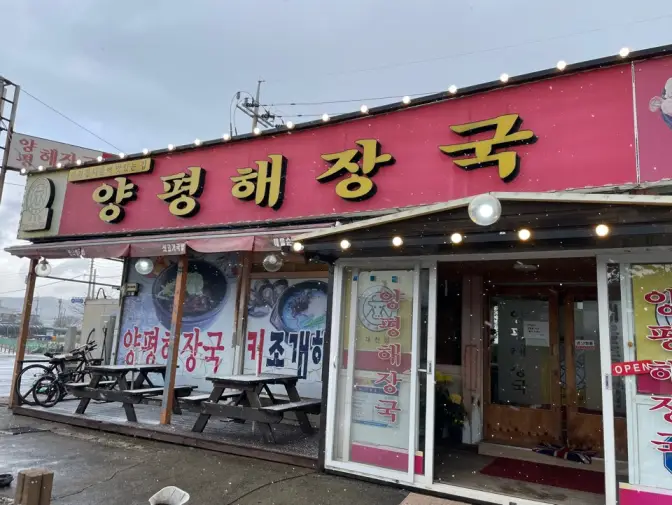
76, 300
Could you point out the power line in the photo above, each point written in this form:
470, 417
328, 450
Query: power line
70, 119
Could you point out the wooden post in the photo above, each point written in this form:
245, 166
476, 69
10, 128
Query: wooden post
24, 331
242, 299
33, 487
175, 331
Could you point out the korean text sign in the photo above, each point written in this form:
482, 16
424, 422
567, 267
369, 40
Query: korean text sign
547, 135
207, 320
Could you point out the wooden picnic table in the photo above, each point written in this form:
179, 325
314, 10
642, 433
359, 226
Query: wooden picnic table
247, 406
120, 389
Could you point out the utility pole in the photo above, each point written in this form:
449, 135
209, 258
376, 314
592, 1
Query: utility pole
90, 291
9, 95
251, 108
255, 116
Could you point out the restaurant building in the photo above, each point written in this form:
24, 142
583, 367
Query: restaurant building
477, 284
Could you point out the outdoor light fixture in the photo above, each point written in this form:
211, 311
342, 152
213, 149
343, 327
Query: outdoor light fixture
99, 159
144, 266
602, 230
43, 268
297, 247
145, 151
345, 244
290, 125
406, 100
562, 64
624, 52
397, 241
456, 238
325, 117
364, 109
524, 234
226, 136
197, 142
485, 210
504, 77
452, 89
171, 147
256, 130
272, 263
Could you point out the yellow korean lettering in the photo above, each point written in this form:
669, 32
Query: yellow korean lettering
114, 198
362, 164
182, 190
483, 152
266, 184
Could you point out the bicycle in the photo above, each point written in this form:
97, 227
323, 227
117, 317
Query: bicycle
72, 366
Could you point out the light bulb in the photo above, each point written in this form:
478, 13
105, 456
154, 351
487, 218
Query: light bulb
602, 230
59, 164
325, 117
144, 266
40, 168
197, 142
406, 100
122, 155
145, 151
624, 52
290, 125
485, 210
256, 130
345, 244
79, 162
171, 147
99, 159
456, 238
524, 234
504, 77
226, 136
364, 109
23, 171
397, 242
452, 89
297, 246
562, 64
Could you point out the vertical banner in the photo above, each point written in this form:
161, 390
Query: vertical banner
286, 319
381, 402
652, 312
207, 321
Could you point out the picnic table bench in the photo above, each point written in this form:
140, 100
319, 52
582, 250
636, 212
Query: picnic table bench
245, 389
120, 389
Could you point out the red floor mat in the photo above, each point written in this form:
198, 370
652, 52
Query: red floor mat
549, 475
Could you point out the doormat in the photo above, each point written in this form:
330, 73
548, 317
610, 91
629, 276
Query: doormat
548, 475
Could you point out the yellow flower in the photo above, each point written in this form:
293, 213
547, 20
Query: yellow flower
455, 398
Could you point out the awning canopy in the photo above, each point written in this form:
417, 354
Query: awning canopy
560, 218
163, 245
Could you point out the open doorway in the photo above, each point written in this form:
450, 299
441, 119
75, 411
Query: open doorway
518, 359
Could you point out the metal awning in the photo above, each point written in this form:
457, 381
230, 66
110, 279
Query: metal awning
173, 244
567, 217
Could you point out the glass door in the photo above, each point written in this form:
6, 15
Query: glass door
378, 373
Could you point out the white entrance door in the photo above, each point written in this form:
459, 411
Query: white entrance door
380, 408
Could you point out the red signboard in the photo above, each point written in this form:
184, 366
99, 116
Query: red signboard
631, 368
567, 132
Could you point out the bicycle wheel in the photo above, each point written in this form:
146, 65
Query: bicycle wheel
27, 379
47, 391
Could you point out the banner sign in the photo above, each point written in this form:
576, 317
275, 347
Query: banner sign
29, 152
631, 368
206, 344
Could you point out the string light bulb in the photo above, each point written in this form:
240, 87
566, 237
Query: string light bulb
364, 109
23, 171
226, 137
145, 151
325, 117
345, 244
197, 142
171, 147
41, 168
79, 162
456, 238
59, 165
397, 241
562, 64
297, 247
602, 230
256, 130
406, 100
624, 52
524, 234
452, 89
122, 155
99, 159
290, 125
504, 77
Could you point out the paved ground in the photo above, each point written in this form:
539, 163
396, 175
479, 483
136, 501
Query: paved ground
6, 368
93, 468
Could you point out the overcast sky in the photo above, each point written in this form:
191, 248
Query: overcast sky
153, 72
